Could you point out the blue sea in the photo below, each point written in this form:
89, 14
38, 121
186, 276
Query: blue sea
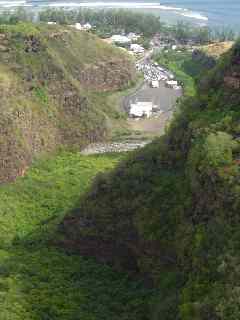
202, 12
218, 12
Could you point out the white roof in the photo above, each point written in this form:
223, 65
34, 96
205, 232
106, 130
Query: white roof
120, 39
136, 48
140, 109
87, 26
78, 26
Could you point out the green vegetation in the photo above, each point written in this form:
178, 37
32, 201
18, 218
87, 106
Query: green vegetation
185, 32
110, 21
176, 62
167, 214
20, 29
171, 210
45, 283
51, 187
187, 66
39, 281
107, 22
41, 94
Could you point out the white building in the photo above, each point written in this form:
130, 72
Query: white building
78, 26
136, 48
87, 26
141, 109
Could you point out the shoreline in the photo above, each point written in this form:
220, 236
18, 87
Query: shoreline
156, 7
170, 12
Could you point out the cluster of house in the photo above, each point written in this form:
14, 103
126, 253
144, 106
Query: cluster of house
153, 74
128, 41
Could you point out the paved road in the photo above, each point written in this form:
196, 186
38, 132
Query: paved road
163, 97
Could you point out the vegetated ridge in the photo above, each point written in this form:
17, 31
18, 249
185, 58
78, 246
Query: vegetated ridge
170, 212
55, 84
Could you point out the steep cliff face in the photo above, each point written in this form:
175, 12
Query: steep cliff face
170, 212
52, 81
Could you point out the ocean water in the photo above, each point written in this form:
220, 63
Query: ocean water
219, 12
202, 12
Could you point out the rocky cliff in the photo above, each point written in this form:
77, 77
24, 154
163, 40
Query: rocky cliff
52, 81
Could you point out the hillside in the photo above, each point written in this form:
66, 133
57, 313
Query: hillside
215, 50
55, 86
37, 279
170, 212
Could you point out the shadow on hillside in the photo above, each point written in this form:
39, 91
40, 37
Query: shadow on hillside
46, 283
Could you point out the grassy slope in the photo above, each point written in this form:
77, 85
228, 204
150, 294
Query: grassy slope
174, 205
49, 190
39, 281
217, 49
189, 67
57, 86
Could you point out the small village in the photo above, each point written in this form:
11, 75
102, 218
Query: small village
154, 75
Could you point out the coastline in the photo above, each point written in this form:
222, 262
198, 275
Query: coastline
166, 12
170, 12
